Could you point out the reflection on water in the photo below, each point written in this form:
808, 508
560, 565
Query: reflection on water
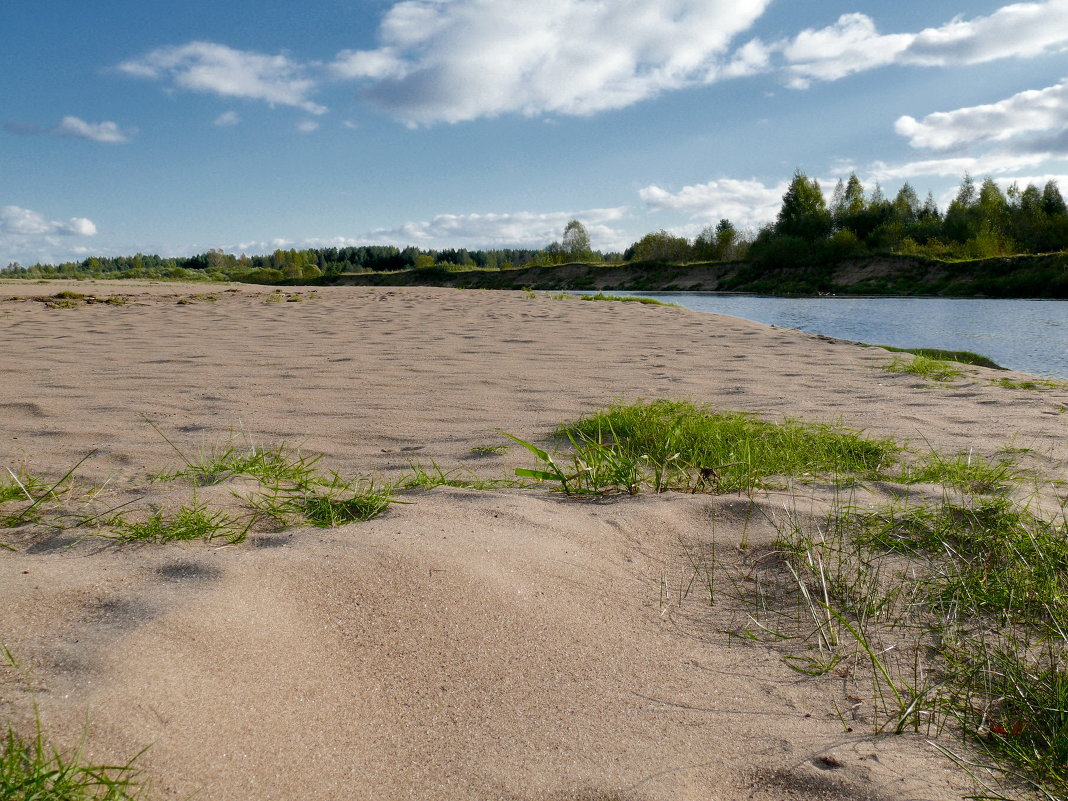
1026, 335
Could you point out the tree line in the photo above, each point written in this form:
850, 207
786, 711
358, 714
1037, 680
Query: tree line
982, 221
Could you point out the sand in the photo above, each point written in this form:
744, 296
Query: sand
503, 644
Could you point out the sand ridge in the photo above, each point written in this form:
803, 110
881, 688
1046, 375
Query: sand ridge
508, 644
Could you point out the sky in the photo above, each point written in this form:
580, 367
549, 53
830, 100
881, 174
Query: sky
174, 128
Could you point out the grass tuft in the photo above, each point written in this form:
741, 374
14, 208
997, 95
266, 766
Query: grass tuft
32, 770
193, 522
924, 366
961, 356
628, 299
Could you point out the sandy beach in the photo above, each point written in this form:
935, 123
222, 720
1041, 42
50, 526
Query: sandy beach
508, 643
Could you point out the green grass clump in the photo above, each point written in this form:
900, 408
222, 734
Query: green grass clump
677, 445
968, 472
188, 523
1032, 384
924, 366
962, 356
31, 770
270, 465
324, 502
998, 559
628, 299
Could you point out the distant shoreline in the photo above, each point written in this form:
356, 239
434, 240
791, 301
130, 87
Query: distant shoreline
1041, 276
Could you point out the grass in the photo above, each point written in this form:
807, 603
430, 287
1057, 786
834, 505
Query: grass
33, 770
924, 366
950, 616
628, 299
961, 356
489, 450
193, 522
1031, 384
323, 502
677, 445
967, 471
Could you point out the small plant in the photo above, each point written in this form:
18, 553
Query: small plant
1031, 384
32, 770
924, 366
489, 450
967, 471
276, 297
628, 299
188, 523
962, 356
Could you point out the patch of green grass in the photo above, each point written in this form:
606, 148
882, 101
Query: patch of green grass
193, 522
420, 477
969, 472
962, 356
269, 465
677, 445
1031, 384
924, 366
275, 297
69, 295
628, 299
33, 770
1000, 559
489, 450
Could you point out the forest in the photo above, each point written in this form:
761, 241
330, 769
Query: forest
981, 222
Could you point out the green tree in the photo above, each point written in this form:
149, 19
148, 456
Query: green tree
804, 212
576, 241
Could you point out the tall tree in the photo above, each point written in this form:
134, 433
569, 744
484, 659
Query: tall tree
804, 212
576, 241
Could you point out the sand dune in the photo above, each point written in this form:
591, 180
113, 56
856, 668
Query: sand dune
503, 644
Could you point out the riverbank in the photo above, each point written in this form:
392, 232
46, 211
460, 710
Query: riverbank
1010, 277
474, 641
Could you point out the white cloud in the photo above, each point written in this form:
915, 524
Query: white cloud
461, 60
742, 202
308, 126
227, 119
28, 236
998, 163
218, 69
1026, 112
16, 221
519, 229
850, 45
853, 44
74, 128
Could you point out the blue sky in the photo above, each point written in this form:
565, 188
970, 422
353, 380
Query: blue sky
175, 128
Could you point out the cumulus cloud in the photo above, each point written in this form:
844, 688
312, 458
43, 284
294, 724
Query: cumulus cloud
461, 60
742, 202
221, 70
998, 163
16, 221
30, 236
74, 128
853, 44
307, 126
1026, 112
227, 119
519, 229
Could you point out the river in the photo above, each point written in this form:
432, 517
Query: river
1026, 335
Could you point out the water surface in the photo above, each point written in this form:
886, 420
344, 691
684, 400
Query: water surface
1026, 335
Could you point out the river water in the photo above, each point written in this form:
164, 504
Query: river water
1026, 335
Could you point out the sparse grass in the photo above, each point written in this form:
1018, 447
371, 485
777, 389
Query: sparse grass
968, 471
193, 522
628, 299
961, 356
675, 444
925, 367
324, 502
420, 477
269, 465
489, 450
1031, 384
275, 297
33, 770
